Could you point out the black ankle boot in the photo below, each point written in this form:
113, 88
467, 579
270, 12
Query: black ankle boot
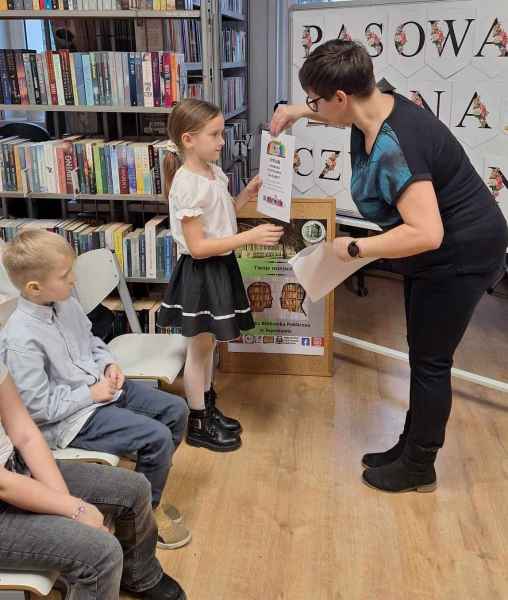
232, 425
412, 471
204, 430
380, 459
166, 589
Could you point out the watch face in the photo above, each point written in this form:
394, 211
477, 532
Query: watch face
353, 249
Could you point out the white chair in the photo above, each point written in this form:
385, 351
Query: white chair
141, 355
29, 582
90, 456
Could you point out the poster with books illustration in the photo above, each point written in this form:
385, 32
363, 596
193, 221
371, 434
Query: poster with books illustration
287, 322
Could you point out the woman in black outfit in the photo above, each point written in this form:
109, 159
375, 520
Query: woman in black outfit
439, 220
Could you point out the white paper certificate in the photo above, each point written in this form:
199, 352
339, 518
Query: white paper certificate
319, 271
276, 172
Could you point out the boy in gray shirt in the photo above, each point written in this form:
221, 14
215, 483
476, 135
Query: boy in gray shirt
69, 380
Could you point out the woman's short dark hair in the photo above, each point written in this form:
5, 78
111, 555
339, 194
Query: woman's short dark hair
338, 65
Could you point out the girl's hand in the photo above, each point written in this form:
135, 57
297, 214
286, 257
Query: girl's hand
253, 187
264, 235
340, 245
91, 516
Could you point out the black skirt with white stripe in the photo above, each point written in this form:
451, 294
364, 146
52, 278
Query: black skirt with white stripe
207, 296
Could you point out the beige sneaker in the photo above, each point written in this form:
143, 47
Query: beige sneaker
171, 535
173, 513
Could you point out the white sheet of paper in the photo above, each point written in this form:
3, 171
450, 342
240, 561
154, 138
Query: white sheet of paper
276, 172
319, 271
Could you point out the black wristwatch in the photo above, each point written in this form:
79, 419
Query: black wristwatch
353, 249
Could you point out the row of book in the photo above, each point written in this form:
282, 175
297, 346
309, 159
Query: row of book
61, 78
234, 44
146, 252
233, 91
82, 165
233, 6
97, 5
176, 35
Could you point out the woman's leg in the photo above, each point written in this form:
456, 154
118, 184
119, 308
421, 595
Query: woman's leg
440, 310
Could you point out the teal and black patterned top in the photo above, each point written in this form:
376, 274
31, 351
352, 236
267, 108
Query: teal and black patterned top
414, 145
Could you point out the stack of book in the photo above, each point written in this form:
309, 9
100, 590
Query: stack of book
233, 94
82, 165
63, 78
234, 44
96, 5
146, 253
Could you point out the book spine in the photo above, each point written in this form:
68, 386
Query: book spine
87, 79
4, 76
57, 65
74, 83
95, 78
27, 67
131, 166
20, 71
35, 78
132, 79
156, 80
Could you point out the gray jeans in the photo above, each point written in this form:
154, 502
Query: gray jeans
144, 420
92, 563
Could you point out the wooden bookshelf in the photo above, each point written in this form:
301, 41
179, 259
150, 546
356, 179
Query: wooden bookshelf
150, 198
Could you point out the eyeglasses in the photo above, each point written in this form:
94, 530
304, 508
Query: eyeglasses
312, 103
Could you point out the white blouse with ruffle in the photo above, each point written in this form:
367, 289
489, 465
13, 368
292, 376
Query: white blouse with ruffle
193, 195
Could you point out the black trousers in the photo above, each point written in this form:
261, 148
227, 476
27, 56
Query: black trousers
438, 311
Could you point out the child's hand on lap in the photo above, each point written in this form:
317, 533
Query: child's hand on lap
115, 374
103, 391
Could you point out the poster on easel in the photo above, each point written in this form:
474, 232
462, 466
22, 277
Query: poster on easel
292, 334
449, 57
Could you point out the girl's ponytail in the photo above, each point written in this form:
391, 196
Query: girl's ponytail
172, 163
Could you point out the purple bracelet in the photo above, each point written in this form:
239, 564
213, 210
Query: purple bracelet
79, 511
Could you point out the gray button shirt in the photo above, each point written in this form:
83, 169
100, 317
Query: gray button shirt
54, 358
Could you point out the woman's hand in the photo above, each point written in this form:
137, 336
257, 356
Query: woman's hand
285, 116
340, 247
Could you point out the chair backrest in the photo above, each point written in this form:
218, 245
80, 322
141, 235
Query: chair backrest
96, 277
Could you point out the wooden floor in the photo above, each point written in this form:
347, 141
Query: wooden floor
286, 517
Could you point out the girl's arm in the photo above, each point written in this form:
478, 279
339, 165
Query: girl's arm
46, 491
421, 231
202, 247
27, 438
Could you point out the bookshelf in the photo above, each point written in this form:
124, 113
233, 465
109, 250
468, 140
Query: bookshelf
119, 121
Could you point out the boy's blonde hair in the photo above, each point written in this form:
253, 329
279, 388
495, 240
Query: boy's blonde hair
31, 255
